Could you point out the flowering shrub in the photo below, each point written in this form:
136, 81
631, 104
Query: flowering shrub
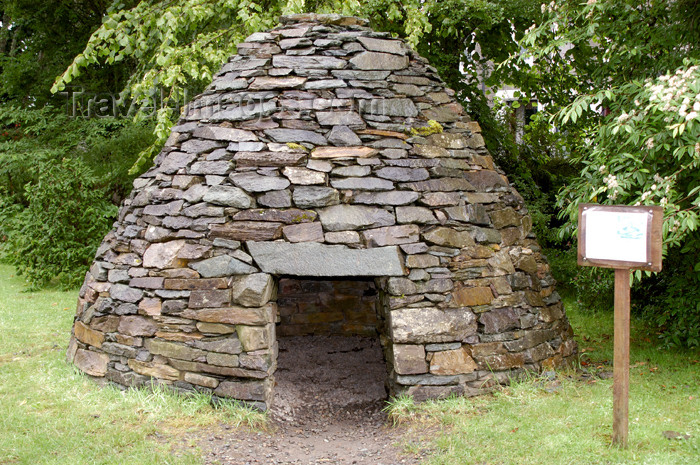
649, 154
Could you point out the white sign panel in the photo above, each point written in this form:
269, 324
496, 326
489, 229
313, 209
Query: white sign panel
616, 235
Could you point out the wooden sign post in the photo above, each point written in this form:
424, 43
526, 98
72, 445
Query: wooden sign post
623, 238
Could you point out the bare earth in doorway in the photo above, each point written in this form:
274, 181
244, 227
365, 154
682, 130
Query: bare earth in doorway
328, 406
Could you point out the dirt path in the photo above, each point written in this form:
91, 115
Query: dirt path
328, 410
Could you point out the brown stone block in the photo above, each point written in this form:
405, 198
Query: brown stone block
150, 306
72, 349
449, 237
222, 360
243, 390
409, 359
215, 328
156, 370
422, 261
255, 337
391, 235
233, 372
235, 315
472, 296
179, 336
147, 283
378, 132
287, 216
174, 350
210, 298
487, 348
137, 326
501, 362
87, 335
105, 324
92, 363
247, 231
343, 152
533, 298
128, 340
201, 380
177, 273
305, 232
526, 263
452, 362
195, 284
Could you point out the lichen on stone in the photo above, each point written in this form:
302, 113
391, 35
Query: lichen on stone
433, 127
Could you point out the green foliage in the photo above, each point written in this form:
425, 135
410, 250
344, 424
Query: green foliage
60, 179
673, 297
637, 61
178, 44
593, 288
38, 40
58, 233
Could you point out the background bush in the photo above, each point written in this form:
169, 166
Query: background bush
61, 180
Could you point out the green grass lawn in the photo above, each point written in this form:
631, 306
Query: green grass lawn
50, 414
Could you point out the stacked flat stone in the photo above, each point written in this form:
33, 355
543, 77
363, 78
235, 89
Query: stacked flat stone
300, 160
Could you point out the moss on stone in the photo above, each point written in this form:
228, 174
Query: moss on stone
433, 127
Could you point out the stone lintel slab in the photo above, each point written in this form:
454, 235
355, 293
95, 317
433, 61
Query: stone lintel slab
313, 259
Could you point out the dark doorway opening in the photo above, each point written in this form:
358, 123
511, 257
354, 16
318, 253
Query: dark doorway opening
330, 360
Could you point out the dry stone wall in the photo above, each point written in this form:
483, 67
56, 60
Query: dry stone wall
315, 152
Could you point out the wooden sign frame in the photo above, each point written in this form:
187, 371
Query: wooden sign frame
653, 234
617, 234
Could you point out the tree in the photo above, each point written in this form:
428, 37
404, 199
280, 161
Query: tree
180, 44
38, 40
624, 76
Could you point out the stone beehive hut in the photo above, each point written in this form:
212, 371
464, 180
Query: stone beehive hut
316, 153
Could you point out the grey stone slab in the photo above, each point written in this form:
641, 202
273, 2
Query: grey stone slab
351, 171
308, 62
276, 199
379, 61
315, 196
253, 182
304, 176
431, 325
325, 84
353, 217
343, 136
175, 161
386, 198
355, 74
314, 259
244, 112
389, 107
340, 118
304, 232
198, 146
223, 265
365, 183
224, 134
403, 174
228, 196
211, 167
395, 47
296, 136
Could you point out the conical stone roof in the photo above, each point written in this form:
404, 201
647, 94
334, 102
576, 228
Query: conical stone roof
321, 149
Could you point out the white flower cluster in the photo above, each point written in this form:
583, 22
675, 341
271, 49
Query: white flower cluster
550, 8
672, 92
611, 185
